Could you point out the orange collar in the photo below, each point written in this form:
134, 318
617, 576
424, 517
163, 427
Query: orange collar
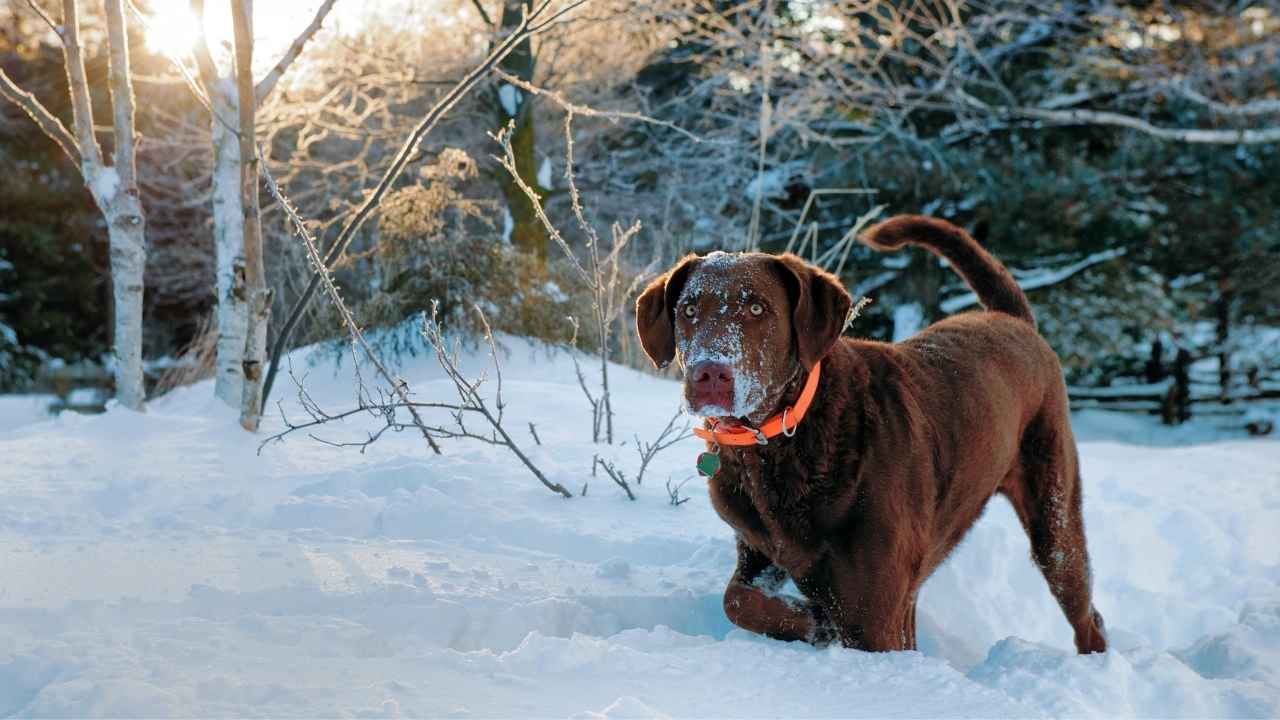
784, 423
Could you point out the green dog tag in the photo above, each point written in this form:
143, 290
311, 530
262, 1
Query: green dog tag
708, 464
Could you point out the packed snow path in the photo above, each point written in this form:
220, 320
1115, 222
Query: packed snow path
153, 564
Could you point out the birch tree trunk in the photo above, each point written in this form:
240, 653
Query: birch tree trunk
244, 302
114, 187
228, 240
257, 296
126, 226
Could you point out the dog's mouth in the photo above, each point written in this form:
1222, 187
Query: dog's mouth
721, 409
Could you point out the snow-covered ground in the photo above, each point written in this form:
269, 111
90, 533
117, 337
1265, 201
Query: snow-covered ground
155, 564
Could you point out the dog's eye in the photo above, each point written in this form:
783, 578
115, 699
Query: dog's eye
757, 309
690, 310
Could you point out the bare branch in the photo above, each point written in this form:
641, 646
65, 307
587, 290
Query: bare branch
35, 7
47, 122
619, 478
1241, 136
121, 98
78, 83
268, 83
668, 437
398, 385
473, 401
483, 14
586, 111
673, 492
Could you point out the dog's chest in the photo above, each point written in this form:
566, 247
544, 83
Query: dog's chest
773, 506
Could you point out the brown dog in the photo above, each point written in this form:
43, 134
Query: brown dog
900, 450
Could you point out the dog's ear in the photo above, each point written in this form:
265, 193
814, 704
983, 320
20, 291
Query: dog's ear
819, 307
655, 312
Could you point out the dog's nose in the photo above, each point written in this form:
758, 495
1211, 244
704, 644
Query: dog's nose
709, 375
712, 384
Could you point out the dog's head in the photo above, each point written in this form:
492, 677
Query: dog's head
742, 326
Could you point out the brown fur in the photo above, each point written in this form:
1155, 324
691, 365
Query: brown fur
902, 447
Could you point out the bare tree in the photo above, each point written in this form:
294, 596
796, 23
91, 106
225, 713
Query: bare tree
114, 186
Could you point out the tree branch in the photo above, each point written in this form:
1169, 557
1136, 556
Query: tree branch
121, 98
483, 15
268, 83
1242, 136
48, 123
78, 84
35, 7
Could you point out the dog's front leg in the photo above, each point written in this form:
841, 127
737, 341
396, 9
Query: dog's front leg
867, 599
750, 604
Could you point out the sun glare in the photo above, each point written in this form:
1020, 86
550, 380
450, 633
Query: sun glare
172, 30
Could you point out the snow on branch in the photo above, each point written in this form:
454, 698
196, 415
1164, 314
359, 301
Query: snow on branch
1240, 136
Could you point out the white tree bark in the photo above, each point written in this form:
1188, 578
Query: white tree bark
126, 232
228, 240
126, 226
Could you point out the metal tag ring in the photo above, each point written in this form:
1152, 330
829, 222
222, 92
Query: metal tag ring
784, 423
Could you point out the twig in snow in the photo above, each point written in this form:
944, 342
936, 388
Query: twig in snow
669, 436
673, 492
473, 401
618, 476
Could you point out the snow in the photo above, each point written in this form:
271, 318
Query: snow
155, 565
508, 225
908, 318
544, 173
510, 97
104, 181
19, 410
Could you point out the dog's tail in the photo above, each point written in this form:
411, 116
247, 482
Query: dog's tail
986, 276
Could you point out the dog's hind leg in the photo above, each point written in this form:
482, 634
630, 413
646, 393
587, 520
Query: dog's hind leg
1046, 495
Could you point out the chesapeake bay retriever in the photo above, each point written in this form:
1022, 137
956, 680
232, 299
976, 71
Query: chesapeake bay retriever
901, 448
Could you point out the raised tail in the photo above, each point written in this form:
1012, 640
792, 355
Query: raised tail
986, 276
